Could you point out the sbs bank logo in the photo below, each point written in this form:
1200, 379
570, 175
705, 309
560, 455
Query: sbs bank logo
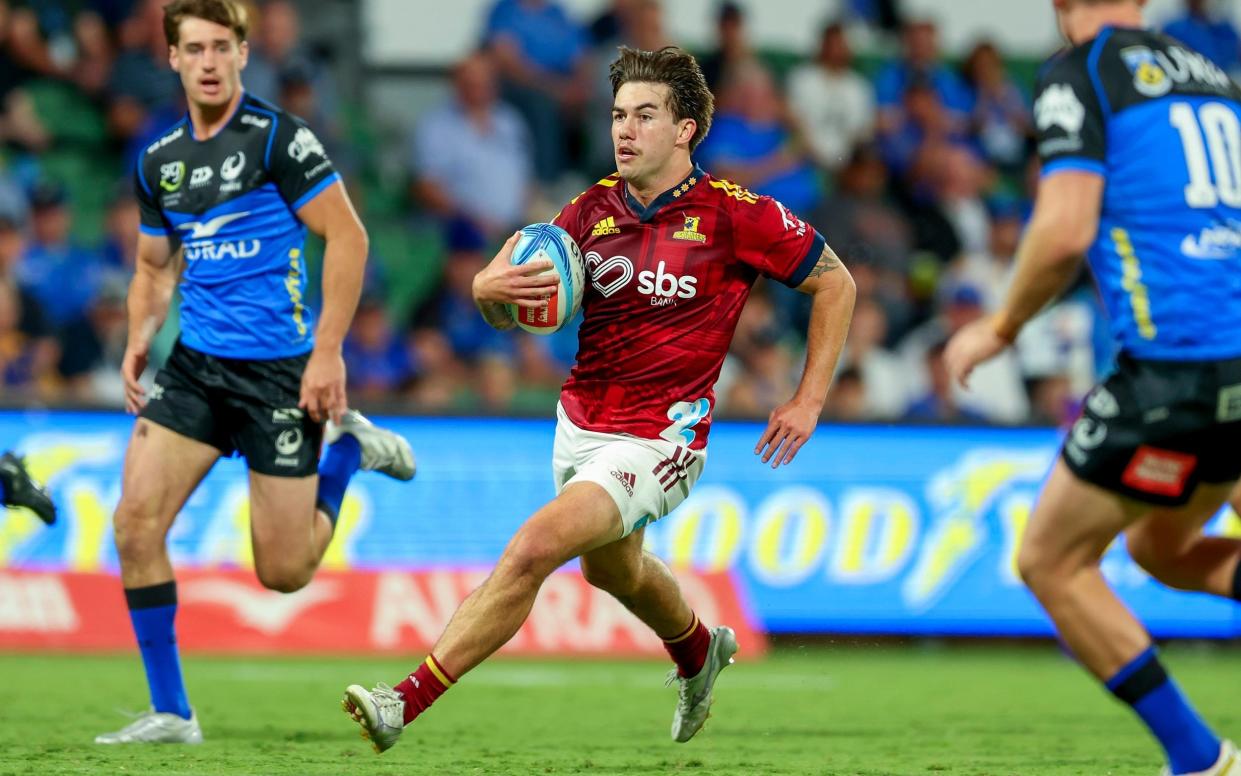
615, 273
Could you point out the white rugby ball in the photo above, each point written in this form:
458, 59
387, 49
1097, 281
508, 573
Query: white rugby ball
548, 241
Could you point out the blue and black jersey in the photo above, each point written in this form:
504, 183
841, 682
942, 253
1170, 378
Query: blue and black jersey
1162, 125
231, 202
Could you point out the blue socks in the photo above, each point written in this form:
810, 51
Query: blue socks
152, 611
340, 461
1146, 686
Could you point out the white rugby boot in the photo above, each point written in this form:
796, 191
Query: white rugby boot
1228, 764
383, 451
156, 727
380, 712
694, 693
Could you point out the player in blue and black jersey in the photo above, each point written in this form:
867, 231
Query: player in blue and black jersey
1140, 138
226, 196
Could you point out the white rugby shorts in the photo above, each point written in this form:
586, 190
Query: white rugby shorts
647, 478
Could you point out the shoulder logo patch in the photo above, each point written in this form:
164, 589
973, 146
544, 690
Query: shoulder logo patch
1058, 106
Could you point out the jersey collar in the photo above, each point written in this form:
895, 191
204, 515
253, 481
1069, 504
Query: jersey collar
227, 122
645, 214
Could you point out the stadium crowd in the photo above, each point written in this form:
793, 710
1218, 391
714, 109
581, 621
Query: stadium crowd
917, 170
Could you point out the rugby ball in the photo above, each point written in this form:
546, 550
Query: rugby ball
548, 241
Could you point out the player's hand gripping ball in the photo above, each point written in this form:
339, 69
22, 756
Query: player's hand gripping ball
548, 241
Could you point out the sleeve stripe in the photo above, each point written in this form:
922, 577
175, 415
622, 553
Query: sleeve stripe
808, 261
314, 192
1092, 63
1074, 163
142, 178
275, 121
154, 231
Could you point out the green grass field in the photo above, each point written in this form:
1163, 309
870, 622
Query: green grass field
849, 710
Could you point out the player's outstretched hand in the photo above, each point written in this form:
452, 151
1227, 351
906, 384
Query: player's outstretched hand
974, 344
789, 427
506, 283
323, 386
132, 366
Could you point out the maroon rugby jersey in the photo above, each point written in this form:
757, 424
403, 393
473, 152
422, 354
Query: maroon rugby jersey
666, 287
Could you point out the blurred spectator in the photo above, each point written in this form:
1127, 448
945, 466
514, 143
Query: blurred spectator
447, 335
846, 402
26, 44
541, 56
32, 321
860, 221
880, 371
835, 104
640, 25
990, 270
959, 181
18, 355
145, 94
377, 360
921, 61
120, 245
470, 157
939, 403
1001, 118
762, 375
92, 65
753, 142
608, 26
732, 46
920, 121
299, 96
1211, 34
61, 275
19, 124
280, 58
94, 345
996, 391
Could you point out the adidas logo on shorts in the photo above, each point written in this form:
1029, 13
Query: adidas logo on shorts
626, 479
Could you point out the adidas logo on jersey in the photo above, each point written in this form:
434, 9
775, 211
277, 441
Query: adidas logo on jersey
605, 227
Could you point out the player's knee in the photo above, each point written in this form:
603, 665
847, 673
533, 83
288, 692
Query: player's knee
136, 532
619, 581
532, 554
284, 578
1036, 567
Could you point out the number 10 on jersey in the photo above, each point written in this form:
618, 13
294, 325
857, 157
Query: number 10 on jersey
1219, 154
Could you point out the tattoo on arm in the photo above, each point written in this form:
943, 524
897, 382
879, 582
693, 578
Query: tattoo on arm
828, 261
497, 315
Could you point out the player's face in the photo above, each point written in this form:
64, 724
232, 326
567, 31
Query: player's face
645, 134
209, 60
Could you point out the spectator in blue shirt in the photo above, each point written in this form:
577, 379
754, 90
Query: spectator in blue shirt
921, 62
541, 57
377, 359
63, 277
752, 141
1214, 37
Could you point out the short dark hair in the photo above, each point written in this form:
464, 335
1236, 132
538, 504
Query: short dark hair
688, 94
226, 13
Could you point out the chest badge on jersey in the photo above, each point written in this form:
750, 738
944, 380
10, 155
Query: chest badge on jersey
690, 232
171, 175
1149, 77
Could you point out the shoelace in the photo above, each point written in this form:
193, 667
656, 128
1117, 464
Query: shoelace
682, 691
388, 699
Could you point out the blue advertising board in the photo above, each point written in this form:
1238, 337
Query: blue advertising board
900, 530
